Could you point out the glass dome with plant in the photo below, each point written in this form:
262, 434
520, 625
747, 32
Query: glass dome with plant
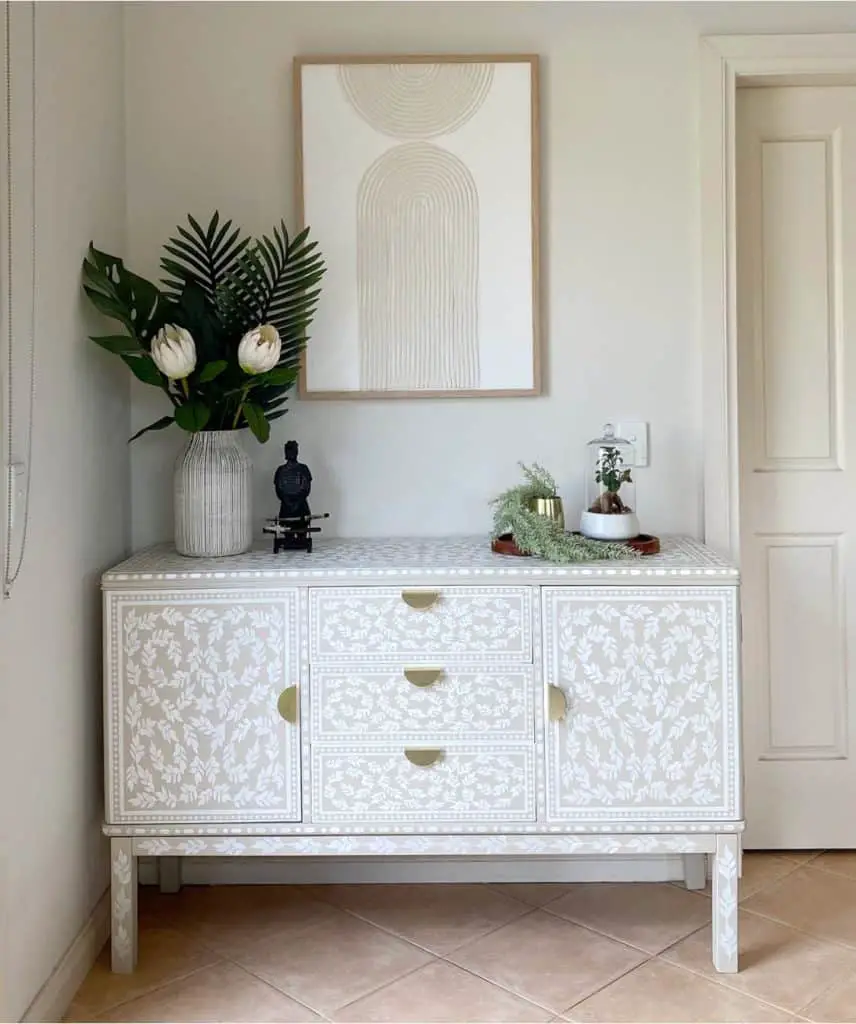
610, 489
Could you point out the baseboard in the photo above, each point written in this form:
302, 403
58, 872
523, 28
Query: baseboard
56, 994
343, 870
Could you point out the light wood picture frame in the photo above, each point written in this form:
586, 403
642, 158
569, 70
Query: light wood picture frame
418, 175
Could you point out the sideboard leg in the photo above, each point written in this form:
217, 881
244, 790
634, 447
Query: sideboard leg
725, 871
695, 870
123, 906
169, 874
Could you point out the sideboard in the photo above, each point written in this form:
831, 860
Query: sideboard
424, 697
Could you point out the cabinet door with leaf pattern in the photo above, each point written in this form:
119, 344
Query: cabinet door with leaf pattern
201, 716
642, 698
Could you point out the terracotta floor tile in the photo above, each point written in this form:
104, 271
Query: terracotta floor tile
777, 963
763, 869
816, 901
657, 991
648, 916
164, 955
223, 992
438, 917
334, 961
536, 894
230, 918
798, 856
443, 993
842, 862
552, 962
837, 1005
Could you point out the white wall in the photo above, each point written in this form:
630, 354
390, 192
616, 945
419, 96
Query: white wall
209, 124
54, 866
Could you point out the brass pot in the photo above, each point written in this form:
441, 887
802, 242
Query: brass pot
549, 508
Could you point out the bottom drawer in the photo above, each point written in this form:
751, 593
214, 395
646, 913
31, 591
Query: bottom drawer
398, 784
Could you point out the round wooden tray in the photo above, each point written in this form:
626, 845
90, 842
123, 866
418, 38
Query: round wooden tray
645, 544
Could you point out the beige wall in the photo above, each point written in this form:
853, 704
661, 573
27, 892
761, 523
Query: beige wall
620, 236
53, 868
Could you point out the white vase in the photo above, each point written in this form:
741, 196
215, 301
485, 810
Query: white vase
213, 496
617, 526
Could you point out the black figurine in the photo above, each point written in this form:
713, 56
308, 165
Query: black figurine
292, 483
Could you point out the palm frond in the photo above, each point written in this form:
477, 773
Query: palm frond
275, 282
204, 257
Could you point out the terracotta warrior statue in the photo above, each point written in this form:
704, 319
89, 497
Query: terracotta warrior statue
292, 483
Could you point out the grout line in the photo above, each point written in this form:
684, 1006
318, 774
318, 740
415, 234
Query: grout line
425, 949
504, 988
613, 938
278, 991
828, 871
150, 991
380, 988
724, 979
607, 984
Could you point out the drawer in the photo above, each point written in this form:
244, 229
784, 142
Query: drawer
384, 702
421, 624
397, 784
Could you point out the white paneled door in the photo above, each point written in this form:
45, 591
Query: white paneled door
796, 219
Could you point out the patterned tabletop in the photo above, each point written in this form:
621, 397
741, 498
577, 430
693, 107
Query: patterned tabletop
419, 559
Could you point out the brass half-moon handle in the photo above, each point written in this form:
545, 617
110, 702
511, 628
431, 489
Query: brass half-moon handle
423, 676
419, 599
287, 704
423, 758
558, 704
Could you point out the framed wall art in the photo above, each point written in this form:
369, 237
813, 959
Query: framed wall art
419, 178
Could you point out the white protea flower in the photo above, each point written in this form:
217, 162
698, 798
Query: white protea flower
174, 352
259, 349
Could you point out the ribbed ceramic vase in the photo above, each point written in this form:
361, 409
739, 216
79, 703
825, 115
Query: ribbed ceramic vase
213, 496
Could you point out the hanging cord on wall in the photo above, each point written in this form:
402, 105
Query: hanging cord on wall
14, 562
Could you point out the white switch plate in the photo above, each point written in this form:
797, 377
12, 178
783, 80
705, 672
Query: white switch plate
637, 435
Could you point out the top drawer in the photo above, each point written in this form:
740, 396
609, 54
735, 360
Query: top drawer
421, 624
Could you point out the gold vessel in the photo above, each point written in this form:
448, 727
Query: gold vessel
550, 508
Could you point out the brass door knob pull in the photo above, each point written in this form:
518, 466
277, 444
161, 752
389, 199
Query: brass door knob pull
423, 758
558, 704
287, 704
419, 599
423, 676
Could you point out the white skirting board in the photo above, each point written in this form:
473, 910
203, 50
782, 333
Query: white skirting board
56, 994
343, 870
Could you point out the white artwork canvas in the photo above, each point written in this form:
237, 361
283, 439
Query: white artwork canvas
418, 179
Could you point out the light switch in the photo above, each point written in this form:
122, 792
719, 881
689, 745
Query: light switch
637, 435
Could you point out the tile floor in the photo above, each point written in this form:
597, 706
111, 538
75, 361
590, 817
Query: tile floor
491, 952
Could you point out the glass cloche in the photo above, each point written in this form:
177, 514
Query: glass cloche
610, 509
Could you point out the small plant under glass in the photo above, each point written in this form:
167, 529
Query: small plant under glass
610, 490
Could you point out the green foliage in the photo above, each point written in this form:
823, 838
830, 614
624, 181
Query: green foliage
609, 470
219, 284
535, 534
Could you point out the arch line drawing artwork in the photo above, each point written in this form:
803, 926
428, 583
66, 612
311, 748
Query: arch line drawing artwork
419, 176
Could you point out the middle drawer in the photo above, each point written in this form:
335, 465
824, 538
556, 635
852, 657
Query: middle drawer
388, 701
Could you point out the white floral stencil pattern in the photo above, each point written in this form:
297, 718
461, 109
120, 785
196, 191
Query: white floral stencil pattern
201, 737
647, 681
419, 560
379, 703
380, 784
361, 623
424, 845
123, 906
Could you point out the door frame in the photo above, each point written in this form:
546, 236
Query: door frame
728, 62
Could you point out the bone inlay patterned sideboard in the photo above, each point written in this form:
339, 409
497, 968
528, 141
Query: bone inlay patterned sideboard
422, 697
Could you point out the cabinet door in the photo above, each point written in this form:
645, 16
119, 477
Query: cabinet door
648, 681
194, 732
